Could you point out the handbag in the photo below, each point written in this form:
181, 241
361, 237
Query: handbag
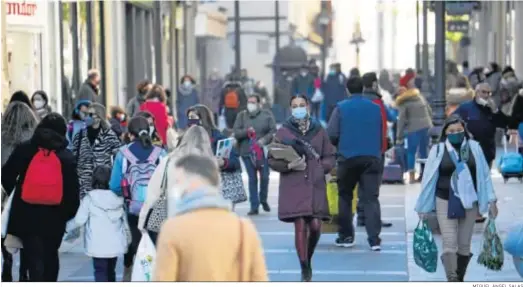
232, 187
425, 248
158, 213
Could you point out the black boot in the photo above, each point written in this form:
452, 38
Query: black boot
450, 263
463, 263
306, 272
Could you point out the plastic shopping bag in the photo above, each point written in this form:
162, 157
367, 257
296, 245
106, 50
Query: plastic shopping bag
5, 214
143, 267
317, 97
514, 242
425, 248
492, 254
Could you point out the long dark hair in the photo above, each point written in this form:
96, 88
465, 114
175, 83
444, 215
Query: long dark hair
205, 115
139, 128
101, 177
21, 96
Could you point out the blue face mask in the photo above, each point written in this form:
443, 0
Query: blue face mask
332, 72
456, 138
88, 121
299, 113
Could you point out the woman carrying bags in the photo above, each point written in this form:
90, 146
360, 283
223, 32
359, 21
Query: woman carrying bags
230, 168
456, 200
303, 197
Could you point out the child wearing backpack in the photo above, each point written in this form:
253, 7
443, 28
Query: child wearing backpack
133, 167
107, 233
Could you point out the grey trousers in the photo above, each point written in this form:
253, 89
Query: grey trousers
456, 233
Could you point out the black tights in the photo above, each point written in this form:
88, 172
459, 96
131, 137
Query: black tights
307, 233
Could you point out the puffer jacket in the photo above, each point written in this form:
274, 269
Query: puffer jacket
456, 97
414, 113
106, 228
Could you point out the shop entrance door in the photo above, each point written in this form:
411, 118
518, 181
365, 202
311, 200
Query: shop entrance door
24, 56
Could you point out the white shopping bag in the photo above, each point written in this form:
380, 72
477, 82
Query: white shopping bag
5, 214
317, 97
144, 261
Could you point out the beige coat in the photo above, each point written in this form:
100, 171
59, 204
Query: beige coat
204, 245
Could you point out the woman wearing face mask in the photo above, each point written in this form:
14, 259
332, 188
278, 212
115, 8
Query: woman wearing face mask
79, 121
303, 195
255, 127
155, 104
140, 150
118, 122
456, 207
202, 116
187, 97
41, 104
155, 138
93, 146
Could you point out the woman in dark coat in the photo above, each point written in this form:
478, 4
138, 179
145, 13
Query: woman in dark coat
302, 191
41, 227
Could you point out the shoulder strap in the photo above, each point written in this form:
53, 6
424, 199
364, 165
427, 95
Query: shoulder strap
126, 152
154, 154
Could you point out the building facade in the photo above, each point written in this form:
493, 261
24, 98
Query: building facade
29, 60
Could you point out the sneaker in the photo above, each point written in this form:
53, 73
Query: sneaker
266, 207
345, 242
375, 248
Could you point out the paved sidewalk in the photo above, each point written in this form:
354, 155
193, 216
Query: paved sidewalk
510, 204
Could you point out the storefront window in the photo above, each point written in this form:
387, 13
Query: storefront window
24, 58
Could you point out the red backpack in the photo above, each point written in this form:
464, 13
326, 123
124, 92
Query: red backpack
43, 183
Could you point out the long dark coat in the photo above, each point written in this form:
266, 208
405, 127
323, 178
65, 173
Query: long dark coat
304, 193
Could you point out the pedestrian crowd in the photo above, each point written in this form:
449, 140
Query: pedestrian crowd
158, 181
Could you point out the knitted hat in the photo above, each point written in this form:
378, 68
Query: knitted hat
405, 79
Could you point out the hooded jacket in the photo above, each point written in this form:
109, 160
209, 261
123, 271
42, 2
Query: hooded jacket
35, 220
103, 215
414, 113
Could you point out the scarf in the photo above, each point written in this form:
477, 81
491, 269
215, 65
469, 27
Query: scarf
303, 124
199, 199
462, 184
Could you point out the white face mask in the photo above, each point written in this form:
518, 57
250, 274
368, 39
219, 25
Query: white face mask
481, 101
251, 107
187, 84
38, 104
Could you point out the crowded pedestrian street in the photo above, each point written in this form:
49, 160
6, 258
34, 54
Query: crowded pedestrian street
394, 263
262, 141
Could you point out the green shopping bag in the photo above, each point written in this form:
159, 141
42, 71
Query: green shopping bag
492, 254
425, 249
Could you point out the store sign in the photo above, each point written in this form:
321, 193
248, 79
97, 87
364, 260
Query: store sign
26, 13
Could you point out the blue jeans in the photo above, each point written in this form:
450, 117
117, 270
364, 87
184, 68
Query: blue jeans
417, 141
104, 269
253, 182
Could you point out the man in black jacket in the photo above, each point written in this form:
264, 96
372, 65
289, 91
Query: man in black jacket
41, 227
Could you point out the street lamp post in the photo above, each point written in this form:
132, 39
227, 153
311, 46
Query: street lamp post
357, 40
438, 103
324, 20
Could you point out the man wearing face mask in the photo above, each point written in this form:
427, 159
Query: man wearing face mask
187, 97
303, 84
483, 118
91, 87
78, 121
333, 88
255, 124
